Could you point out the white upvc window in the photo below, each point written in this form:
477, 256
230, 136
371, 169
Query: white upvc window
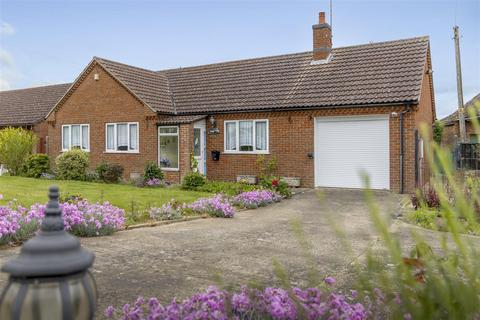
168, 148
246, 136
121, 137
76, 136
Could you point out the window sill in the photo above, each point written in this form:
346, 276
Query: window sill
170, 169
125, 152
75, 149
246, 152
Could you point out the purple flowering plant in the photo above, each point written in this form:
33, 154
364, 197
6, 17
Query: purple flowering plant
169, 211
81, 218
248, 304
255, 199
217, 206
153, 183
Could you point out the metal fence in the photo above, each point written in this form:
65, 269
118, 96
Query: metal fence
467, 156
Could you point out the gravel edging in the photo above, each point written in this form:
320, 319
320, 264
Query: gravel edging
164, 222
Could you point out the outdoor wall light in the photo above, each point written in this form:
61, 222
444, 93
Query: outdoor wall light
50, 280
214, 129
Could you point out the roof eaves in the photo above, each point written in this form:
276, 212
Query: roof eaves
305, 107
70, 89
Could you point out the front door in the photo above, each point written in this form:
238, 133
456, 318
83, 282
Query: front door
199, 152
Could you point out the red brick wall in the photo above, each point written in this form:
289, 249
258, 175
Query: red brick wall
41, 130
451, 133
425, 117
292, 138
97, 103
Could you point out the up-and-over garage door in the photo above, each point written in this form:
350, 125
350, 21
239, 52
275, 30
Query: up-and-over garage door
345, 147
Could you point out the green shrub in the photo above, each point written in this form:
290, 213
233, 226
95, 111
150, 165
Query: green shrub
35, 165
227, 188
277, 185
424, 217
72, 165
266, 166
92, 176
152, 171
193, 180
16, 144
443, 283
109, 172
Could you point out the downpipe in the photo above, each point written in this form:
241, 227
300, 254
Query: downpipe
402, 143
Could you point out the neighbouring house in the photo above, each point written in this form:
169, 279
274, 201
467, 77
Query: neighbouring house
451, 131
327, 115
27, 108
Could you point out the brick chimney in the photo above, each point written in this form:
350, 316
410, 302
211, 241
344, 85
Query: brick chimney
322, 39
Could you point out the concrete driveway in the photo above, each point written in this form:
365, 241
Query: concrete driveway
179, 259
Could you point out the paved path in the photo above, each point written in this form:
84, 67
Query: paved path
181, 258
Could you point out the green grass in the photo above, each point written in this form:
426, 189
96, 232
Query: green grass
134, 200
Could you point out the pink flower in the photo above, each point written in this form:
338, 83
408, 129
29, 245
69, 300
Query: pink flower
330, 281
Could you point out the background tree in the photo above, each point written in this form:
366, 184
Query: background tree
437, 132
16, 144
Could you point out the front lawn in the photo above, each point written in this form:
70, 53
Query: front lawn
134, 200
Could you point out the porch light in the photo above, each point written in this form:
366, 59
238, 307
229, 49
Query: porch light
214, 129
50, 280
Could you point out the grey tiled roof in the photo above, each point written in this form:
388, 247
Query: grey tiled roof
151, 87
28, 106
473, 103
376, 73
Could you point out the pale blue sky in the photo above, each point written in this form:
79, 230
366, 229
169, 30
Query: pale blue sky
45, 42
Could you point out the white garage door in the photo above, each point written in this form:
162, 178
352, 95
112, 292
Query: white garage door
346, 147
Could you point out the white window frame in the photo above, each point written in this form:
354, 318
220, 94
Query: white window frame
114, 150
237, 128
178, 145
81, 136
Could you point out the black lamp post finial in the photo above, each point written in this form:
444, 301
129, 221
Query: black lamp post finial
53, 220
50, 275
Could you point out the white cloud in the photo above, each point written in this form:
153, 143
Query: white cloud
5, 58
8, 72
4, 84
6, 29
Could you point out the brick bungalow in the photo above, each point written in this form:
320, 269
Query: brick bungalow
326, 114
27, 108
451, 131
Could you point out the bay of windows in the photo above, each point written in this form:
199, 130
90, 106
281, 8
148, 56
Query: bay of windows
246, 136
76, 136
122, 137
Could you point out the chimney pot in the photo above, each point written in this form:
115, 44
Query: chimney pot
322, 39
321, 17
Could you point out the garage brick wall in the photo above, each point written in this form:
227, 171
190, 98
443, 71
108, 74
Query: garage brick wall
292, 138
424, 117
